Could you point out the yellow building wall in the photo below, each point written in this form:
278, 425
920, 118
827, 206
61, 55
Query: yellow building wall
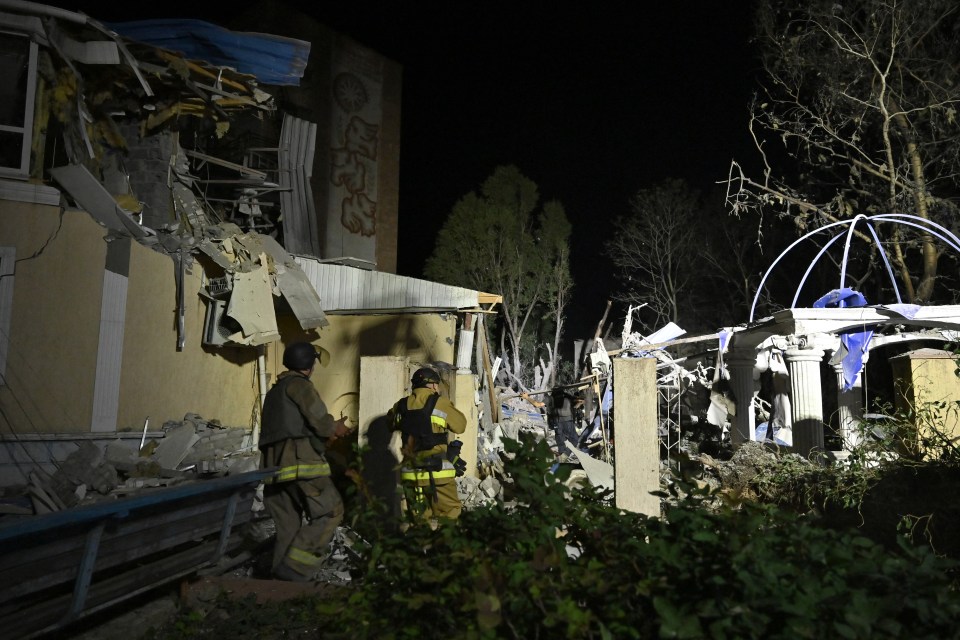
424, 338
55, 318
926, 381
55, 328
162, 383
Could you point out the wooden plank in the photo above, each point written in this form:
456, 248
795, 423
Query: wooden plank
129, 542
47, 615
64, 541
635, 414
660, 345
487, 369
25, 529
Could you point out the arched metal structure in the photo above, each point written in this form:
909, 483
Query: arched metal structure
917, 222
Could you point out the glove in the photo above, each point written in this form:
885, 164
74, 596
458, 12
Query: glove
453, 450
453, 455
340, 428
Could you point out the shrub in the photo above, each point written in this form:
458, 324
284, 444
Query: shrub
561, 566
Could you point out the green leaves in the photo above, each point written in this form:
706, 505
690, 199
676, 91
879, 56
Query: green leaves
703, 571
499, 242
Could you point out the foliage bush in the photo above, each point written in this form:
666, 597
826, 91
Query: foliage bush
905, 469
552, 562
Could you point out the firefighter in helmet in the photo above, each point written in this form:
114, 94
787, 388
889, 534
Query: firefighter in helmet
301, 497
431, 465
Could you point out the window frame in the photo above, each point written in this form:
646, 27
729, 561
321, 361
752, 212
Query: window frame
26, 131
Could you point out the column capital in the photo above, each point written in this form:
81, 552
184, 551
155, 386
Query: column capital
808, 347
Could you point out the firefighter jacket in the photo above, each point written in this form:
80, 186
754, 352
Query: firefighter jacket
295, 426
425, 419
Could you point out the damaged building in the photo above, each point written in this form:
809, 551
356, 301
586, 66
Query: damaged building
178, 201
169, 222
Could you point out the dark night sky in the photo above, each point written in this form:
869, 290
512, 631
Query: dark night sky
592, 104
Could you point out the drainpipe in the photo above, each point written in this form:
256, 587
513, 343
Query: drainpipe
262, 375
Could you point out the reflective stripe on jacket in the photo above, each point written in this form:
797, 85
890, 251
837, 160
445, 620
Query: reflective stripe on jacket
294, 459
300, 471
424, 478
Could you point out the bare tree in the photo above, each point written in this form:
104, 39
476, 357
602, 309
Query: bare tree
858, 115
655, 247
555, 236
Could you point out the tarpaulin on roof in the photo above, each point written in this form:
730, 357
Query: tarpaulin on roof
853, 344
271, 59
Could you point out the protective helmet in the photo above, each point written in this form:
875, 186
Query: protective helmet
299, 356
423, 377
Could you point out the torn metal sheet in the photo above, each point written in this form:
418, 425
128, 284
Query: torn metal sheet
97, 201
599, 473
275, 60
25, 24
251, 304
295, 158
301, 296
292, 282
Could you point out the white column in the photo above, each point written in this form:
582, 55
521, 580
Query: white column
637, 472
806, 397
464, 397
849, 409
744, 424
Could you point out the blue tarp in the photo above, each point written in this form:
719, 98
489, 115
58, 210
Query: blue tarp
271, 59
855, 343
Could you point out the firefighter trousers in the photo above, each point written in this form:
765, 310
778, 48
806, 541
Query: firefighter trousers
307, 514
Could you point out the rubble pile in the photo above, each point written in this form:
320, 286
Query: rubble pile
190, 450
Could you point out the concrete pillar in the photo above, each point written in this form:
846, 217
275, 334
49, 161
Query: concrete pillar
463, 394
849, 408
744, 424
637, 470
806, 397
383, 381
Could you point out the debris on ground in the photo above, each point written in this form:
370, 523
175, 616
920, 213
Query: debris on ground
190, 449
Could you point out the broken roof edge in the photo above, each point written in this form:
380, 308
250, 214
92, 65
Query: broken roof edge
799, 320
348, 289
403, 310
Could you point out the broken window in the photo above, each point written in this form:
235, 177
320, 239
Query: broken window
18, 78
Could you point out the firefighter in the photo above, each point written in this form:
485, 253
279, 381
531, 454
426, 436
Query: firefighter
431, 465
301, 497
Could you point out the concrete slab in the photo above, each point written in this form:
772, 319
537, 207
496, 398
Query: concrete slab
175, 445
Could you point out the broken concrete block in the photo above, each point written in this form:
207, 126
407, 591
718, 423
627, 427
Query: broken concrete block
116, 452
175, 445
81, 462
490, 487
